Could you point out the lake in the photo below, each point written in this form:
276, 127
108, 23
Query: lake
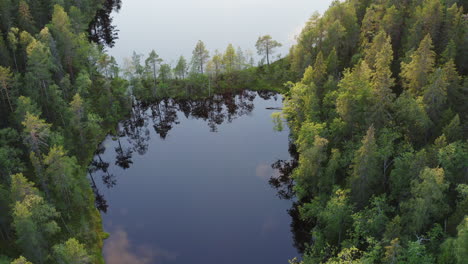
189, 181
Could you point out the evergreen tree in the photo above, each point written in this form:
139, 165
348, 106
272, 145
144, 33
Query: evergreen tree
200, 56
365, 169
181, 68
266, 46
229, 58
415, 74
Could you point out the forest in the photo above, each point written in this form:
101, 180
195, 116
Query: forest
378, 115
375, 99
54, 112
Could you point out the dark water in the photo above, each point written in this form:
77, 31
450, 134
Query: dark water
191, 182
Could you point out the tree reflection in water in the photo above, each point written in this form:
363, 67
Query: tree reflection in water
163, 115
284, 184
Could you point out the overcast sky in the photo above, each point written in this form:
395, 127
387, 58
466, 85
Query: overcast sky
172, 27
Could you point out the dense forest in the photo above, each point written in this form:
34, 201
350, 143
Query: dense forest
375, 97
379, 117
54, 110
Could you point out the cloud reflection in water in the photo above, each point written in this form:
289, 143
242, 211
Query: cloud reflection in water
118, 250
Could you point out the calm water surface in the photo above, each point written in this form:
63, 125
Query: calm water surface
188, 182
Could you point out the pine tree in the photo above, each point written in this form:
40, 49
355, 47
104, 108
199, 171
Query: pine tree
435, 94
415, 74
266, 46
200, 56
229, 58
382, 80
181, 68
365, 176
151, 64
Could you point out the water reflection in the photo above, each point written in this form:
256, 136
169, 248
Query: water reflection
133, 137
283, 181
284, 184
162, 116
119, 250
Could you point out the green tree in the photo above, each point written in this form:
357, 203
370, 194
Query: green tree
181, 68
165, 73
266, 46
200, 56
77, 120
336, 216
10, 154
355, 96
382, 81
310, 170
426, 20
33, 221
415, 74
71, 252
61, 171
21, 260
435, 94
216, 64
461, 242
412, 117
67, 41
416, 253
36, 135
36, 132
39, 71
25, 105
428, 203
365, 176
229, 58
152, 62
240, 59
25, 19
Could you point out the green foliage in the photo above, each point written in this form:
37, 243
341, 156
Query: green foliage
428, 202
71, 252
55, 89
21, 260
355, 97
416, 73
401, 78
336, 216
181, 68
366, 175
33, 220
200, 56
416, 254
278, 121
265, 46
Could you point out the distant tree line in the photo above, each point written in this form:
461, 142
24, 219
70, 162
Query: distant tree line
230, 69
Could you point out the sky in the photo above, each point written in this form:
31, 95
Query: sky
173, 27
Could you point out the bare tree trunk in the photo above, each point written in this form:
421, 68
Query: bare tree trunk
14, 58
268, 54
8, 99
